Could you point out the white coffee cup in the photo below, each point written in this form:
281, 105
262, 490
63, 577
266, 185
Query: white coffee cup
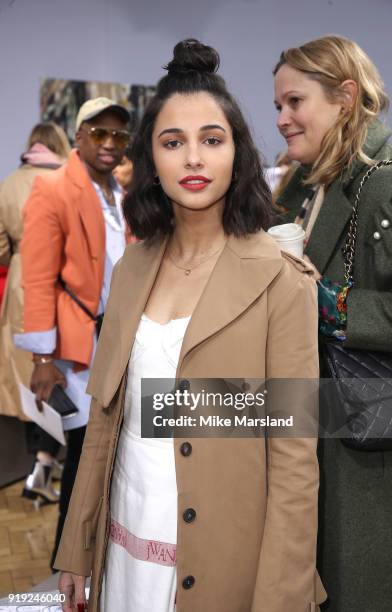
290, 238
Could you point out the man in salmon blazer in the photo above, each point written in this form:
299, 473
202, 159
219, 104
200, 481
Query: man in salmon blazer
73, 235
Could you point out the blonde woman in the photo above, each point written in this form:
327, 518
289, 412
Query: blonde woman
329, 96
47, 149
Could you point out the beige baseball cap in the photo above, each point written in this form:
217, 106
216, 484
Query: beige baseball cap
96, 106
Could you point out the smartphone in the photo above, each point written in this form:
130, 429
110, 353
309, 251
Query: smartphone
60, 402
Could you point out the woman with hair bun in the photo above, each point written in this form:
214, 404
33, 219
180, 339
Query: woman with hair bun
329, 97
196, 523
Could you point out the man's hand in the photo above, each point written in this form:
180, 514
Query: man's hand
44, 377
73, 587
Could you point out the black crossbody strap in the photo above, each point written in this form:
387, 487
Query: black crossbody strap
76, 300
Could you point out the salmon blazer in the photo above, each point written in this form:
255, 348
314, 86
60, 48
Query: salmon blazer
64, 233
252, 546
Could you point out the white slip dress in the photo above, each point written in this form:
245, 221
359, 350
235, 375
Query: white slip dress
140, 565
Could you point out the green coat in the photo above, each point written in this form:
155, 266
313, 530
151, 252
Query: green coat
355, 521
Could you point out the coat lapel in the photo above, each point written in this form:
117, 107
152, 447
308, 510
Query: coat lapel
244, 270
336, 209
293, 196
330, 224
89, 209
137, 279
130, 290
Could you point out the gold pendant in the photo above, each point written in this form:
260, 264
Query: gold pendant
187, 272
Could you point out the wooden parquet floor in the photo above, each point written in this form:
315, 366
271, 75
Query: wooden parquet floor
26, 540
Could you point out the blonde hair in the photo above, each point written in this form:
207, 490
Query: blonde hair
331, 60
52, 136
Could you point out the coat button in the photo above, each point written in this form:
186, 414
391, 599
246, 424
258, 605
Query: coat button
189, 515
184, 385
376, 235
188, 582
385, 223
186, 449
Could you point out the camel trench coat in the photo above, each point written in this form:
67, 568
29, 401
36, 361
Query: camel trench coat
15, 365
252, 546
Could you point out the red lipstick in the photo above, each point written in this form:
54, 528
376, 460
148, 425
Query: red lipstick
194, 182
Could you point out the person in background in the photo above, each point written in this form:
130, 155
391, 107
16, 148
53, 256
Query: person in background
47, 149
123, 172
123, 175
285, 169
200, 524
73, 235
329, 97
276, 173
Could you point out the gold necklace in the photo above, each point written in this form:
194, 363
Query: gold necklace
108, 195
188, 270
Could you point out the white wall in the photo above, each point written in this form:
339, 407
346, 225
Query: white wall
127, 41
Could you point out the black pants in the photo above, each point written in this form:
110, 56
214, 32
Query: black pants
38, 440
74, 449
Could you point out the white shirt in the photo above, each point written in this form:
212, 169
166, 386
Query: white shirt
140, 568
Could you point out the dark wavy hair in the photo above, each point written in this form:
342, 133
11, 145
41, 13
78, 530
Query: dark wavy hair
147, 209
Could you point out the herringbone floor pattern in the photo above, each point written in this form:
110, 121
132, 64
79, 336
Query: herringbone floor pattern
26, 540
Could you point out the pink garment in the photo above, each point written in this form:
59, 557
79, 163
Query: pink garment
3, 279
40, 155
154, 551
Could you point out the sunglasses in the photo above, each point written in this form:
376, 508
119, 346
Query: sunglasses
99, 135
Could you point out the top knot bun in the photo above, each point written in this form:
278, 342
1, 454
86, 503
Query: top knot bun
192, 55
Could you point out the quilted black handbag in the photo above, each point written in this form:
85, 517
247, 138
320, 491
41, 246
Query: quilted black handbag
361, 380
